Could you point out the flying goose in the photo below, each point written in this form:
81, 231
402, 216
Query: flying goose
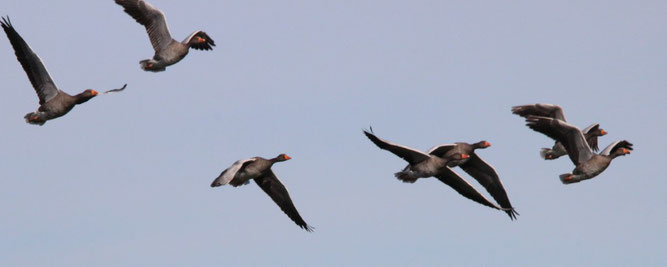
479, 169
167, 50
423, 165
53, 102
259, 169
556, 112
588, 164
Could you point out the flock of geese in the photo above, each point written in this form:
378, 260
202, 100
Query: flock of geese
548, 119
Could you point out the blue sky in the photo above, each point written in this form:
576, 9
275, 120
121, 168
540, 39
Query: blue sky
123, 180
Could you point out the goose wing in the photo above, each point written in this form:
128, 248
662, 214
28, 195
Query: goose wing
412, 156
486, 175
277, 191
616, 145
441, 150
464, 188
592, 140
228, 174
569, 135
37, 74
543, 110
206, 41
152, 18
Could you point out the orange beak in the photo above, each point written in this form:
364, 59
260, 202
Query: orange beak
465, 156
487, 144
603, 132
93, 92
287, 157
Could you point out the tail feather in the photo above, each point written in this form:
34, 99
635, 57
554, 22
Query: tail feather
148, 65
547, 153
568, 178
33, 118
512, 213
405, 177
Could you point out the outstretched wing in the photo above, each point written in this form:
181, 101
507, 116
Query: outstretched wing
591, 139
277, 191
412, 156
228, 174
37, 74
486, 175
464, 188
569, 135
152, 18
440, 150
543, 110
616, 145
205, 42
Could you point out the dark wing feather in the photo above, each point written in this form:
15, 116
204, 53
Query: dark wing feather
543, 110
570, 136
277, 191
464, 188
441, 150
152, 18
615, 146
410, 155
32, 65
591, 138
622, 144
488, 178
205, 45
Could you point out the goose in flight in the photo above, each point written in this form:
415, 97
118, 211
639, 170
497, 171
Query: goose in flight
476, 167
167, 50
422, 165
53, 102
587, 163
259, 169
591, 132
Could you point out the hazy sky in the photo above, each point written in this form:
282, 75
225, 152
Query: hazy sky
123, 180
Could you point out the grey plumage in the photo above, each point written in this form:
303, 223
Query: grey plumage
259, 170
167, 50
587, 164
53, 102
435, 164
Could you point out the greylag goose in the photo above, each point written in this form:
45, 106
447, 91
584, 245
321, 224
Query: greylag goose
167, 50
423, 165
588, 164
476, 167
556, 112
53, 102
259, 169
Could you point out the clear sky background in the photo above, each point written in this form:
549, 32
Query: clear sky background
123, 180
